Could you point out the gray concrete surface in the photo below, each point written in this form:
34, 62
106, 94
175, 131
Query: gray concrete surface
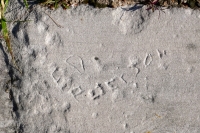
105, 71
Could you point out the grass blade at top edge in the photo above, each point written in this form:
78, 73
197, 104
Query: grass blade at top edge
5, 6
6, 36
26, 3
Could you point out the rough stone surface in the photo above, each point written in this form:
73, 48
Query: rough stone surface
106, 71
7, 123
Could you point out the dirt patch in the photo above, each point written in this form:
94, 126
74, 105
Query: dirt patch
152, 4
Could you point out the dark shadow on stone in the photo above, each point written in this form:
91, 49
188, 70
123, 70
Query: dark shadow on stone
15, 30
5, 55
21, 3
26, 37
21, 128
13, 78
134, 8
15, 108
95, 4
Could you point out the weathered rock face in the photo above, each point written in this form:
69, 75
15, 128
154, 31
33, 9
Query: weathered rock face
7, 123
104, 70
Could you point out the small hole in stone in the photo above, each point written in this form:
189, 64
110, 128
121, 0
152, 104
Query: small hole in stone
96, 58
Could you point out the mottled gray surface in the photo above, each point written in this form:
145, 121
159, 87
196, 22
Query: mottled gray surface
106, 71
7, 123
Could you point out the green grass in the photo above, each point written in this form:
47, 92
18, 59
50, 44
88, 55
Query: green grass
4, 29
26, 3
3, 6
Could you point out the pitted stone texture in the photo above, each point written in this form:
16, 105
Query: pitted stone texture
108, 71
7, 123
